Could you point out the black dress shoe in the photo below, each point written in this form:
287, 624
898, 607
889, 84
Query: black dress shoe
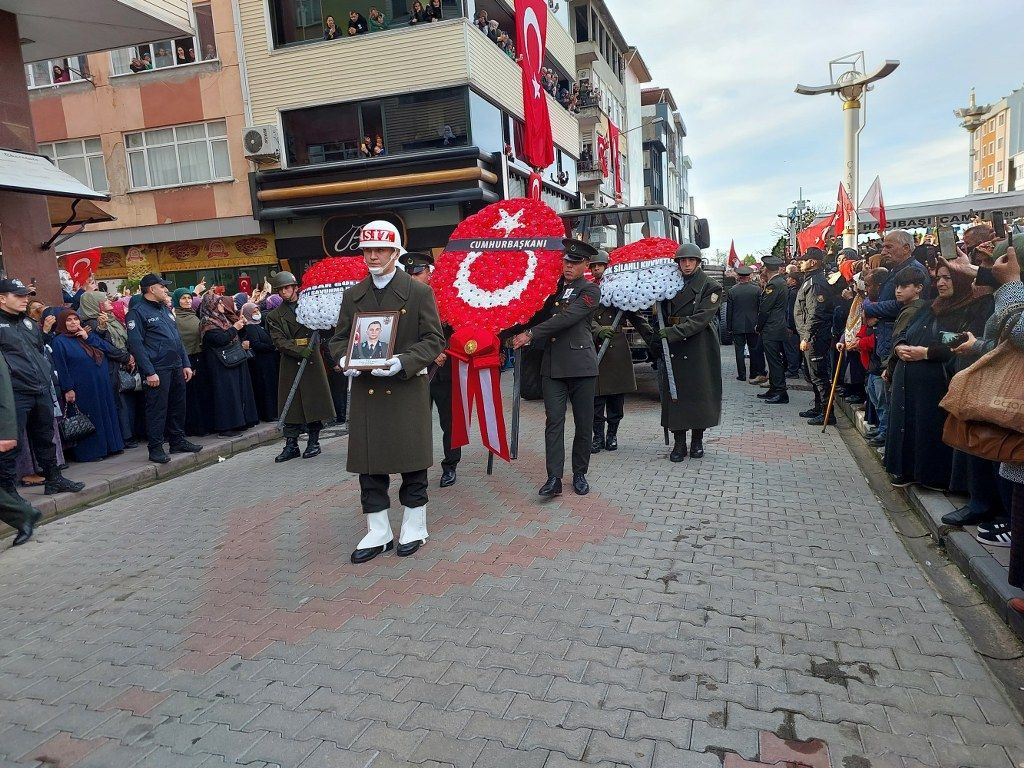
966, 516
186, 447
878, 441
778, 398
365, 555
404, 550
159, 456
447, 478
24, 534
61, 484
596, 444
553, 487
811, 413
312, 449
741, 377
766, 394
819, 421
580, 484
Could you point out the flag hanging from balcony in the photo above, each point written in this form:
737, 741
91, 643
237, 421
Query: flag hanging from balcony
602, 154
613, 141
531, 36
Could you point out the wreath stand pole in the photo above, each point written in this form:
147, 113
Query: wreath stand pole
314, 343
517, 387
607, 342
670, 374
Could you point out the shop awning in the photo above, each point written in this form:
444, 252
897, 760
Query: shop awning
36, 175
57, 28
67, 212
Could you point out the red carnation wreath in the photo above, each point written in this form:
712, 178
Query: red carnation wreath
640, 274
323, 285
494, 290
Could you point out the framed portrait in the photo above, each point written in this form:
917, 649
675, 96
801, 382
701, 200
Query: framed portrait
372, 340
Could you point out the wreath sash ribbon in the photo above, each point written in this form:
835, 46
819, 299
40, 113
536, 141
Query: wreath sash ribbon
476, 379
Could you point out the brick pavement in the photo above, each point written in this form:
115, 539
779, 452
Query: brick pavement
751, 608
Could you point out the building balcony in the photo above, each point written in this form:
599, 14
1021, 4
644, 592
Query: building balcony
589, 174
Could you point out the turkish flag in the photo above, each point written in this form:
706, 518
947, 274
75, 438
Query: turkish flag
816, 235
613, 141
531, 36
81, 265
734, 259
602, 153
534, 186
874, 204
844, 210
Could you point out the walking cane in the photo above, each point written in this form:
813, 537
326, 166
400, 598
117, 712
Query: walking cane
607, 342
832, 393
314, 342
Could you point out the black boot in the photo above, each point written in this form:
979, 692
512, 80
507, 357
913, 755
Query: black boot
598, 443
679, 449
812, 412
312, 444
57, 483
611, 442
290, 451
697, 444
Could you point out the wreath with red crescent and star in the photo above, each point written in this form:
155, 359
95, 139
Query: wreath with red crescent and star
494, 290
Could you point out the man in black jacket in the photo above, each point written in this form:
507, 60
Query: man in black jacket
772, 325
21, 343
14, 510
165, 368
793, 357
741, 320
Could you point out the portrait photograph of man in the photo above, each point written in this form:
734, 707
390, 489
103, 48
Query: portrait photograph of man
372, 339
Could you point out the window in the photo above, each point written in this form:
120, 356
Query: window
178, 155
176, 52
1002, 118
581, 24
42, 74
999, 166
304, 21
81, 158
989, 171
999, 143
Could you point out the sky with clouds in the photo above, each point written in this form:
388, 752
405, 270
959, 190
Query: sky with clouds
732, 66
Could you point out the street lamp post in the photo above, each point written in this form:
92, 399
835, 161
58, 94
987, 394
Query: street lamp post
972, 117
850, 85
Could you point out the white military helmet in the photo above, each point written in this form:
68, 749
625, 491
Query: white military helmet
380, 234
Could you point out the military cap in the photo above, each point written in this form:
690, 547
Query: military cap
772, 262
576, 251
744, 271
414, 261
282, 280
688, 251
600, 258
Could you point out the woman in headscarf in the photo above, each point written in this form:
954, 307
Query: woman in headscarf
81, 358
922, 365
185, 317
263, 364
231, 405
96, 313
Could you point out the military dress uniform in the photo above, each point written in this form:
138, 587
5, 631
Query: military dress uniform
741, 319
772, 325
313, 404
615, 376
813, 313
568, 371
695, 359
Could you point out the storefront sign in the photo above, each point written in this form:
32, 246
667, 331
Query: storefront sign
188, 255
341, 233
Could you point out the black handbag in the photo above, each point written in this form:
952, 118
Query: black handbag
128, 382
75, 425
233, 355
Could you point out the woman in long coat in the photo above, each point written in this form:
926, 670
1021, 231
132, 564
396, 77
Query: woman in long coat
695, 356
231, 405
82, 360
921, 367
197, 388
263, 364
96, 313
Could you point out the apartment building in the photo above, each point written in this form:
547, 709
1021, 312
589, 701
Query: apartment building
992, 145
159, 128
417, 122
666, 166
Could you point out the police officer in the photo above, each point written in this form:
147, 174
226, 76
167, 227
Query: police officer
772, 326
312, 405
741, 320
615, 376
569, 367
155, 343
14, 510
418, 266
31, 375
813, 314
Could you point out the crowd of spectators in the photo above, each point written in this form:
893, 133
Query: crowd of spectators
899, 321
357, 24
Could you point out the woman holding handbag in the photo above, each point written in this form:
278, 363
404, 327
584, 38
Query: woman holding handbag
230, 401
83, 361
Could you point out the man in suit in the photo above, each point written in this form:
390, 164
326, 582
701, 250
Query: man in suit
741, 319
372, 348
569, 368
772, 326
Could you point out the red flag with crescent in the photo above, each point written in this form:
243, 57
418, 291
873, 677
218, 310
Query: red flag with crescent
531, 36
81, 265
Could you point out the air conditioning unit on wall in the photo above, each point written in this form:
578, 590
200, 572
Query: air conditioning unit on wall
262, 142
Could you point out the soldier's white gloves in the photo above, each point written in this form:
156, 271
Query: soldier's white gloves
394, 365
350, 372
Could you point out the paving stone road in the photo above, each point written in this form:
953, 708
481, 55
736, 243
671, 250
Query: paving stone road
754, 607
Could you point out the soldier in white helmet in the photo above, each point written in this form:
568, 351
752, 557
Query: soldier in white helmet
390, 419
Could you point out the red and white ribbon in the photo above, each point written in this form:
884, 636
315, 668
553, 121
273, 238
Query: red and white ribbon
476, 381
